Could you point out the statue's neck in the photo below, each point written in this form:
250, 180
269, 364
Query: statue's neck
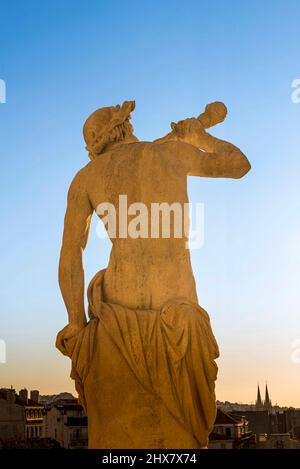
130, 139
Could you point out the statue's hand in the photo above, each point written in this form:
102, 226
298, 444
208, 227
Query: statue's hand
190, 131
193, 130
69, 331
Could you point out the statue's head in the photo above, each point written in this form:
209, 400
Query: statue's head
107, 125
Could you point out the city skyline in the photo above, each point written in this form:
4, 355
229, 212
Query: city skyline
253, 403
30, 420
59, 65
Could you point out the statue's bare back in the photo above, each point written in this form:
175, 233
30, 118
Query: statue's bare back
143, 273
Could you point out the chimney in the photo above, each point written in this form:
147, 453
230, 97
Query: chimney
23, 395
35, 395
11, 395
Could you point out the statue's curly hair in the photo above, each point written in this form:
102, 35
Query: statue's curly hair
117, 134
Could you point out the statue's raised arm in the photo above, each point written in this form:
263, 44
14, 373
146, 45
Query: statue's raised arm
206, 155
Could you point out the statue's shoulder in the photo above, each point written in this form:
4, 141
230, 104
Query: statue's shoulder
174, 150
79, 180
157, 149
160, 145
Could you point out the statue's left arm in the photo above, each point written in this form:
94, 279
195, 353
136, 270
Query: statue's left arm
71, 273
206, 155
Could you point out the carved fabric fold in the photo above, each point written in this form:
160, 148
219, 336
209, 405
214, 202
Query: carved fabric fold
171, 353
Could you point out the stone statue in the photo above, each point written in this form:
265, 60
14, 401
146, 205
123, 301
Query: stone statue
143, 364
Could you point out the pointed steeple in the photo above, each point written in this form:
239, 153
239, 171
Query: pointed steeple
258, 404
267, 403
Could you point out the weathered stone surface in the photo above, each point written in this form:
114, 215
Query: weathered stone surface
144, 363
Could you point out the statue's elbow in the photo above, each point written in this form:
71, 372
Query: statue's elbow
244, 168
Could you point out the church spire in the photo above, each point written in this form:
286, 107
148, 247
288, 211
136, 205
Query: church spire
258, 404
267, 403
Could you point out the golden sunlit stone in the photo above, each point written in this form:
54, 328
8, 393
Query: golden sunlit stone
144, 362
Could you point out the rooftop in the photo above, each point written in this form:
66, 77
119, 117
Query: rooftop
223, 418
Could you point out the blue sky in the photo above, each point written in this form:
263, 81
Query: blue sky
63, 59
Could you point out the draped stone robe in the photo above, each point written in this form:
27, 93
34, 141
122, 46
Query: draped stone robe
145, 377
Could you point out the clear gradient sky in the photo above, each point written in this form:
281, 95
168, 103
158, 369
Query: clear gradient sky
63, 59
